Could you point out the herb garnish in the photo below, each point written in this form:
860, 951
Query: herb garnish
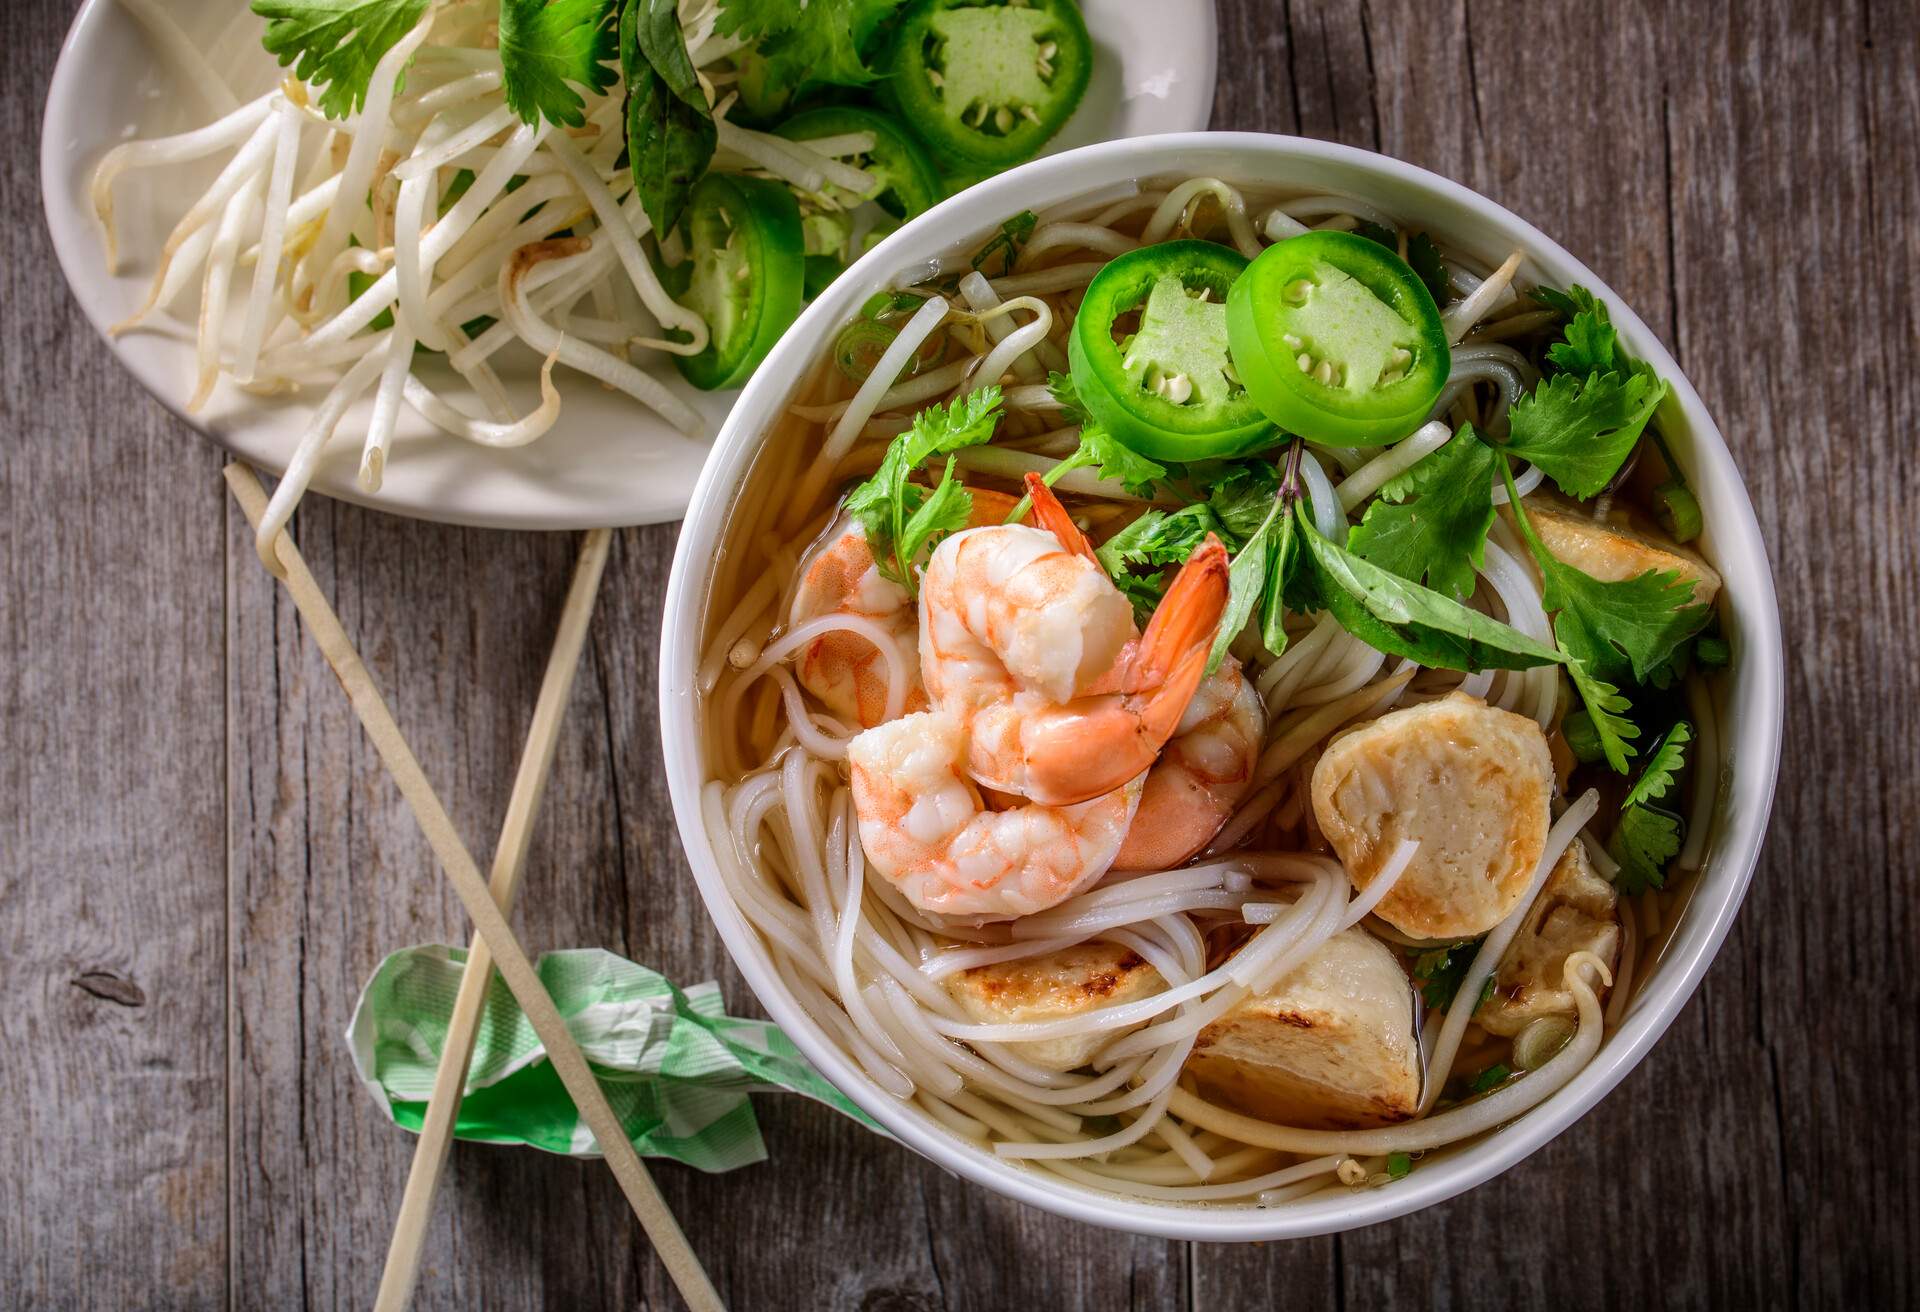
336, 44
903, 520
1581, 424
1611, 631
1646, 837
1430, 523
1012, 236
548, 47
670, 131
1422, 256
1439, 973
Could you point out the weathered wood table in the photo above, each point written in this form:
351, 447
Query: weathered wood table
201, 861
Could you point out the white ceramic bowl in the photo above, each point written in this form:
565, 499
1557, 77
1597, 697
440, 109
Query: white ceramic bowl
1751, 713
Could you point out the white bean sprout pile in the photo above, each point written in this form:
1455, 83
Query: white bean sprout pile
329, 255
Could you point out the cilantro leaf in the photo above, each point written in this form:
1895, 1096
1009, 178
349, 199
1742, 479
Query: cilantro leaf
1119, 462
943, 511
1605, 707
1581, 430
1159, 538
1440, 536
1242, 496
1615, 630
822, 44
890, 508
1582, 423
753, 19
548, 47
1663, 763
1643, 842
1066, 396
1404, 619
1155, 539
1439, 973
336, 44
670, 131
1590, 344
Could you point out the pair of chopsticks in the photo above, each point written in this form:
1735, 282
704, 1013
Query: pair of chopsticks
486, 903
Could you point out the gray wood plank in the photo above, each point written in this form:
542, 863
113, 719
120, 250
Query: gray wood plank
111, 806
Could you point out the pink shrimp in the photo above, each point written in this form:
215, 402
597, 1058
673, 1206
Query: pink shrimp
926, 828
838, 577
1015, 631
1203, 774
1207, 765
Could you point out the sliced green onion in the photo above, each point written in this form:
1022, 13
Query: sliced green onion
1583, 740
1711, 651
1679, 512
860, 345
889, 305
1399, 1166
1536, 1044
1490, 1078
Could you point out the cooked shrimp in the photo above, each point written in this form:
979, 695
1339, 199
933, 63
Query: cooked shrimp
1016, 629
844, 670
1203, 774
1207, 766
925, 827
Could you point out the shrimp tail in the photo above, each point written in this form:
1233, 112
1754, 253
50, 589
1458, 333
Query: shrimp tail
1109, 739
1053, 517
1182, 625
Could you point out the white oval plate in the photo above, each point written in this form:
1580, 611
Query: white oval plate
608, 461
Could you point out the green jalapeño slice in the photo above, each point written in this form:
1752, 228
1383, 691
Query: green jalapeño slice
985, 84
1150, 354
1337, 339
747, 270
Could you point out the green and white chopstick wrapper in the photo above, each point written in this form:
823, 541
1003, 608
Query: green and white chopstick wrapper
676, 1068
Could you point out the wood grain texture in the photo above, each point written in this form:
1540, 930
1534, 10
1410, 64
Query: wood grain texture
201, 862
112, 1087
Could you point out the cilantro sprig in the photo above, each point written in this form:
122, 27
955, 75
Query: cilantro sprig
1098, 449
1430, 523
1581, 424
548, 48
336, 44
904, 520
1646, 838
1611, 632
803, 44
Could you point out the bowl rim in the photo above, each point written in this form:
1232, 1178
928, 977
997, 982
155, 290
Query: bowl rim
1752, 717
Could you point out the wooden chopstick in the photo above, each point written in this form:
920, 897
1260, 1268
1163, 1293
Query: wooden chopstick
568, 1061
509, 858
